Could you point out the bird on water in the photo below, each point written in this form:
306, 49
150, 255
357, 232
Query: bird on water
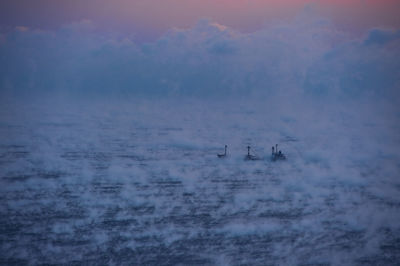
249, 156
223, 155
277, 155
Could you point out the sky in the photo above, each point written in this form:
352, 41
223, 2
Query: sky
331, 49
149, 19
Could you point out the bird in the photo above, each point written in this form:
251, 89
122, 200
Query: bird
277, 155
224, 154
249, 156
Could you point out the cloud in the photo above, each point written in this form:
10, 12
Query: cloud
381, 36
358, 68
306, 56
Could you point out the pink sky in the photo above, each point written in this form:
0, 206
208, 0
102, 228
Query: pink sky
152, 17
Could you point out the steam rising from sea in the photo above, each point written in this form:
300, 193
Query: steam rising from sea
139, 182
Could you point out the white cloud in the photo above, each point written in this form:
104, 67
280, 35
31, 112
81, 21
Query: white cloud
306, 55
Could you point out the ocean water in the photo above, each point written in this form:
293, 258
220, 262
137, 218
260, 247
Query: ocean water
139, 183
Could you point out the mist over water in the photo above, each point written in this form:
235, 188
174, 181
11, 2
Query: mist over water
138, 181
108, 148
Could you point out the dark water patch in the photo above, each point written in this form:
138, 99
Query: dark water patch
113, 224
30, 194
314, 264
234, 184
133, 157
349, 240
289, 214
386, 202
13, 153
255, 249
167, 183
13, 261
68, 241
330, 200
141, 186
141, 210
391, 247
73, 155
288, 139
10, 156
112, 211
106, 187
121, 145
168, 255
150, 240
99, 160
91, 156
391, 243
376, 260
34, 173
186, 220
9, 227
57, 124
51, 174
49, 216
68, 194
171, 129
17, 177
11, 146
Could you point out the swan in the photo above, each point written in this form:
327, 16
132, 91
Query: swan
249, 156
277, 155
224, 154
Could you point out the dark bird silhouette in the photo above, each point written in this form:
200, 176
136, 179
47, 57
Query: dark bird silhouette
277, 155
249, 156
224, 154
